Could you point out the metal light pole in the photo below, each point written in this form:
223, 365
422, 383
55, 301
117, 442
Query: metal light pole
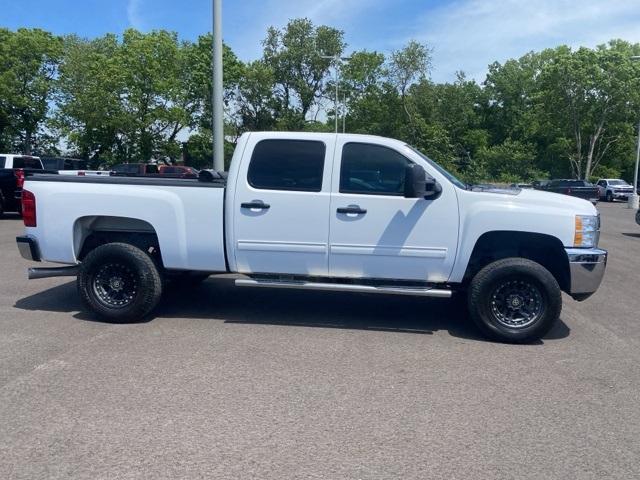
634, 200
216, 99
337, 59
344, 114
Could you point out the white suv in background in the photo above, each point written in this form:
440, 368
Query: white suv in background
611, 189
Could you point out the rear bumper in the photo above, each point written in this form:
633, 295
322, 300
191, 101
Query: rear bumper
586, 267
28, 248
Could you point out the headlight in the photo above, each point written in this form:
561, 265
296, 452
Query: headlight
587, 231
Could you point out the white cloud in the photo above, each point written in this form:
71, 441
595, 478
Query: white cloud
469, 34
134, 17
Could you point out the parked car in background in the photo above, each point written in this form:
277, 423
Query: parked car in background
13, 170
180, 171
135, 169
352, 213
540, 184
154, 170
611, 189
63, 163
575, 188
70, 166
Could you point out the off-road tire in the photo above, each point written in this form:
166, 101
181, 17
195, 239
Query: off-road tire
495, 277
142, 274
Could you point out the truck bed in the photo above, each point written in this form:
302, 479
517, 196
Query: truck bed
186, 215
130, 180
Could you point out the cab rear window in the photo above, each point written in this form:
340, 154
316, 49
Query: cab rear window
27, 162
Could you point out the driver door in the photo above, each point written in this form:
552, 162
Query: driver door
377, 233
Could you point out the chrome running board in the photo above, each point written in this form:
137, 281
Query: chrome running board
345, 287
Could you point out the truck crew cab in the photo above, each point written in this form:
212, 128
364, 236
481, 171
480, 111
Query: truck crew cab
320, 211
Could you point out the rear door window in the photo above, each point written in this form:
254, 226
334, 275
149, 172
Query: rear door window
287, 165
3, 161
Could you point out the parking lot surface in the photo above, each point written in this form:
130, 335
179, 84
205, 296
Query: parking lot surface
258, 383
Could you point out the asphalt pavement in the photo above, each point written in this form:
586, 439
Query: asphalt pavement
282, 384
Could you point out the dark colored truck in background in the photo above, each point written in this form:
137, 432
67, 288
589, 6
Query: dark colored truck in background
575, 188
64, 163
13, 170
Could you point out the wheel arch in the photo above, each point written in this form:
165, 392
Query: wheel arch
92, 231
544, 249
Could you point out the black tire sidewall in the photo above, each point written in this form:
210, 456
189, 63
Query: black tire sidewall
488, 279
149, 288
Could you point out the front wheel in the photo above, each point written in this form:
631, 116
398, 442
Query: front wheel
638, 217
119, 282
514, 300
609, 197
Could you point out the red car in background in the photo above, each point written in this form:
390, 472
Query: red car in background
153, 170
179, 171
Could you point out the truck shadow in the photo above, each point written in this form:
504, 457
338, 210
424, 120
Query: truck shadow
219, 299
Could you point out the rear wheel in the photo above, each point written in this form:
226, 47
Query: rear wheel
119, 282
638, 217
514, 300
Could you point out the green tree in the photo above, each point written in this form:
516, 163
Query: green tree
90, 113
294, 54
257, 105
29, 60
588, 95
407, 66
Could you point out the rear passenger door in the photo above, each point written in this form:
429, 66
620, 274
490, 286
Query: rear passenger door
281, 206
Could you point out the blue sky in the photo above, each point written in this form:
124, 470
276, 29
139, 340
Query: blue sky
464, 34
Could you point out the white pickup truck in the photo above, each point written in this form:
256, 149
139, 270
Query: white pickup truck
319, 211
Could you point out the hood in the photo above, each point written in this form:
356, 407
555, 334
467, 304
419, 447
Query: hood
557, 200
536, 199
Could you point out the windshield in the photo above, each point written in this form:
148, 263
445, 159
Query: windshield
617, 182
452, 178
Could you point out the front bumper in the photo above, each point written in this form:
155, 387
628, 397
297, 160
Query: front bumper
622, 195
28, 247
586, 268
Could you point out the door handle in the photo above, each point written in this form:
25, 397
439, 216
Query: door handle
356, 210
259, 205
